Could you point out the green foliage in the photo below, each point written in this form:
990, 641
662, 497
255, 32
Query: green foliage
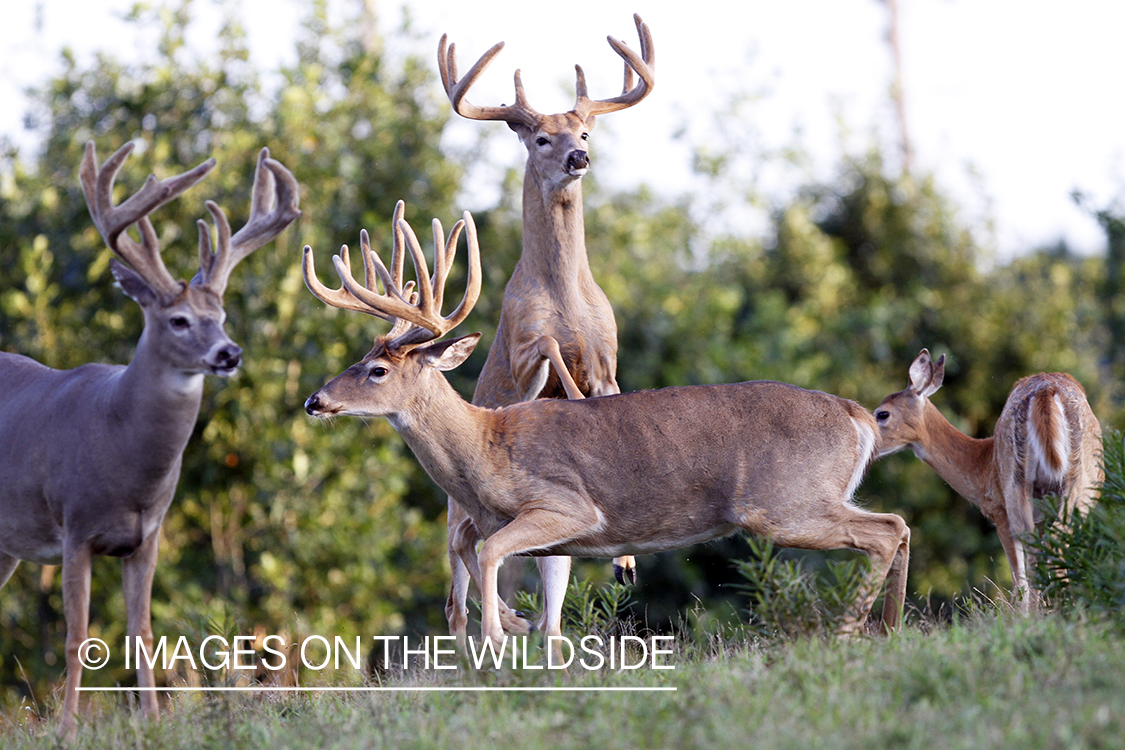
588, 609
1080, 558
957, 685
298, 528
790, 600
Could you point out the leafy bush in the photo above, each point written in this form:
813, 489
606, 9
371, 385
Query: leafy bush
787, 599
587, 609
1080, 559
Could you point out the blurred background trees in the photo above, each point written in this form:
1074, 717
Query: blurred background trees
283, 525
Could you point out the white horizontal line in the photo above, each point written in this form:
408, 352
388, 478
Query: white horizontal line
277, 689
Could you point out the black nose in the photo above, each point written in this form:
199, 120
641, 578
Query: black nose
312, 405
228, 357
577, 160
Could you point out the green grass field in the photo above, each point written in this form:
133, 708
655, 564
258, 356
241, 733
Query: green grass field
989, 680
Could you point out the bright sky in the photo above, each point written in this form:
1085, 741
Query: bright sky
1023, 94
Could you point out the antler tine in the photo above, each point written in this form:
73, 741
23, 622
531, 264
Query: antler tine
112, 221
473, 282
341, 297
414, 308
273, 206
643, 64
521, 112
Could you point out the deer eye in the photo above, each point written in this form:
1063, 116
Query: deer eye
585, 136
541, 141
179, 322
882, 415
378, 372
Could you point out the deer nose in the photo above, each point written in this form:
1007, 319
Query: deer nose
577, 160
312, 405
228, 357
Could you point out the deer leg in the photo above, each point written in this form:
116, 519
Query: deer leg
463, 554
555, 572
137, 571
8, 565
883, 537
76, 609
895, 597
456, 605
1021, 523
548, 348
1004, 533
534, 529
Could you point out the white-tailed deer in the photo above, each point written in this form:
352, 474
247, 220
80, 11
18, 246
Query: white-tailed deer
1047, 441
632, 473
90, 457
553, 311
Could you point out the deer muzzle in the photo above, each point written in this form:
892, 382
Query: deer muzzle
315, 406
577, 161
224, 361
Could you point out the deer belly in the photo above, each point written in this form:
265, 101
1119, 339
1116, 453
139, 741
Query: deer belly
600, 546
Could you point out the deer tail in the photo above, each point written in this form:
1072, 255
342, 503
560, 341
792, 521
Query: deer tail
1048, 436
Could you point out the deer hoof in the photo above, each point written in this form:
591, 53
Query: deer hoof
514, 623
625, 575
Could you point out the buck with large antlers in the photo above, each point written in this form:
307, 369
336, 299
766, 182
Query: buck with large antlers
553, 310
90, 457
1046, 441
631, 473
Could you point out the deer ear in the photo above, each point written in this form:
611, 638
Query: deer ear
446, 355
936, 377
926, 375
131, 283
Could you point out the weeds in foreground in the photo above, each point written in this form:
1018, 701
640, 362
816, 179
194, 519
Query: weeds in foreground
587, 608
788, 600
1080, 558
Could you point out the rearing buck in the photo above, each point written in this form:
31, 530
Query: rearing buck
553, 310
1046, 441
630, 473
90, 457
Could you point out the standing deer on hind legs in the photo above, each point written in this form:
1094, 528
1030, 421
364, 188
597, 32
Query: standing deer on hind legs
622, 474
1046, 442
90, 457
553, 312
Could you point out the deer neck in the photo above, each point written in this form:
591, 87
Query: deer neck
965, 463
554, 233
158, 403
445, 433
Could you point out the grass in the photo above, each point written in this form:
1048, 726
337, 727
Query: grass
990, 680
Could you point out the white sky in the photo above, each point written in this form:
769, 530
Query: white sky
1024, 94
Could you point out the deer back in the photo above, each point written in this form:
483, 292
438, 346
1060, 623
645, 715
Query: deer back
677, 465
1047, 436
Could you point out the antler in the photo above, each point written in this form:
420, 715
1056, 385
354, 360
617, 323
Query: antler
417, 314
112, 221
521, 112
644, 65
273, 184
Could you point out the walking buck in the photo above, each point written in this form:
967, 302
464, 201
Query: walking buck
90, 457
1046, 442
620, 474
553, 311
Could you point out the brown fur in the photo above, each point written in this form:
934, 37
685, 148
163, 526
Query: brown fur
636, 473
551, 303
90, 457
1022, 460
